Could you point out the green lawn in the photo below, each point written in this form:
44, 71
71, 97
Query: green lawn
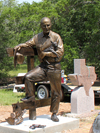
8, 97
20, 69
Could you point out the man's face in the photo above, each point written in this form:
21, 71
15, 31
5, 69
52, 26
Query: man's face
46, 26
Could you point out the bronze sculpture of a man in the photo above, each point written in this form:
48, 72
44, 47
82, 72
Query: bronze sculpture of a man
50, 50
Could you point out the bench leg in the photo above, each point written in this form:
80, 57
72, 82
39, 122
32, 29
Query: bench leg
32, 114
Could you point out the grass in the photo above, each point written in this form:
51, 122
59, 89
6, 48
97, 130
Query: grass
20, 69
8, 97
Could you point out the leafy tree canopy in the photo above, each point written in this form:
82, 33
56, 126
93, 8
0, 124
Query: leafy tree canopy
77, 21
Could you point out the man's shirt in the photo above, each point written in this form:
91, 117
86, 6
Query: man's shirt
45, 42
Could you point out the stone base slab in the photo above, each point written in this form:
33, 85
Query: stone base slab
65, 123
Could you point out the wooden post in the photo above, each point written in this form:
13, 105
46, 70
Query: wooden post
30, 62
32, 114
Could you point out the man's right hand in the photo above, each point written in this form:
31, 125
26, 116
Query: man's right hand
18, 47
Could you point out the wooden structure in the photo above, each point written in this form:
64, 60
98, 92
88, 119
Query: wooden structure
29, 52
31, 106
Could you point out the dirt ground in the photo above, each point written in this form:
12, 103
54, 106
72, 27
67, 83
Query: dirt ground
85, 124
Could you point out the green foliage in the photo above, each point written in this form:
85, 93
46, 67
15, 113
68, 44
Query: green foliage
19, 69
69, 55
78, 24
6, 63
77, 21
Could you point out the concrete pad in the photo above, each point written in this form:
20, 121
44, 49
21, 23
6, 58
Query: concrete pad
65, 123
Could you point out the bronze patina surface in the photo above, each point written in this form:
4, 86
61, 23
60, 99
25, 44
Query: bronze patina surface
16, 117
50, 50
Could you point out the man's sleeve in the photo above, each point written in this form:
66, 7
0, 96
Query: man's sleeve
60, 48
31, 42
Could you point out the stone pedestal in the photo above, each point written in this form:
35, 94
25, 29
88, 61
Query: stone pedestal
80, 102
65, 123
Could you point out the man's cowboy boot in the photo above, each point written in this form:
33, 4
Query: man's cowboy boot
28, 99
54, 117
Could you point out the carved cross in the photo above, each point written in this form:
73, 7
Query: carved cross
83, 75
